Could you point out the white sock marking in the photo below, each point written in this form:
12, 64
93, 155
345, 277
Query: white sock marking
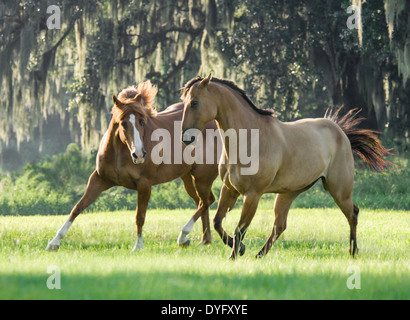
55, 243
186, 229
139, 244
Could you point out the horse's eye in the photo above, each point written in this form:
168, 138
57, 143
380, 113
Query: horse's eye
194, 104
142, 122
124, 124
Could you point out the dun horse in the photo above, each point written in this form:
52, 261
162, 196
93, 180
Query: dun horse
292, 156
124, 159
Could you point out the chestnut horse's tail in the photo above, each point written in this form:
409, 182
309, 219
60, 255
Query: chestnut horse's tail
363, 141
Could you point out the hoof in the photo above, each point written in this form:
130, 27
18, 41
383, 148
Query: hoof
354, 253
135, 249
242, 249
353, 250
233, 256
139, 245
52, 247
185, 244
204, 243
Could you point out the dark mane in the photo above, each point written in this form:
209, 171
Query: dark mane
234, 87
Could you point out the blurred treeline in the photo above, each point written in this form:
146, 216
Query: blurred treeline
297, 57
54, 185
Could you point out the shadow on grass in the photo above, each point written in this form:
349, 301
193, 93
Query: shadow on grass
183, 285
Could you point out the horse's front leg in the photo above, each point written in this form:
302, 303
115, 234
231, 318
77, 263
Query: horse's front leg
227, 200
250, 204
95, 186
202, 212
144, 193
282, 204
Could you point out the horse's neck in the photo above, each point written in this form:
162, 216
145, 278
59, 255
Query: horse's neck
233, 113
109, 142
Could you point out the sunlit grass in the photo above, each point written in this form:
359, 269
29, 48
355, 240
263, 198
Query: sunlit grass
309, 261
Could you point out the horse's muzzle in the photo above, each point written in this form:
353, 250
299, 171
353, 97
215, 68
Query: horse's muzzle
138, 159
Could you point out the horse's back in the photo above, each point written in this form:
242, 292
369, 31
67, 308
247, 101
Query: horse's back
304, 150
316, 138
166, 118
317, 130
177, 107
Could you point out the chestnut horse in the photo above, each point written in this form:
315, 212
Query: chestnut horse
292, 156
124, 159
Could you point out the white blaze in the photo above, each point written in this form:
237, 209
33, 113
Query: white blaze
138, 147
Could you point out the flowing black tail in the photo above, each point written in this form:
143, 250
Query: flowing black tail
363, 141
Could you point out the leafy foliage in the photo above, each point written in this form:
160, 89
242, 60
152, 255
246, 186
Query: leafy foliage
54, 185
297, 57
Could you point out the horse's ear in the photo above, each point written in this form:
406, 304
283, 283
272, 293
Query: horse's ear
116, 101
138, 97
205, 81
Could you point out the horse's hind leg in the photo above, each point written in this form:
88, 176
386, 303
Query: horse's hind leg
203, 186
95, 186
353, 228
351, 212
190, 189
341, 192
206, 227
283, 202
199, 189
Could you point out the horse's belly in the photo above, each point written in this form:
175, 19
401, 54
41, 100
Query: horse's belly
166, 173
233, 178
295, 179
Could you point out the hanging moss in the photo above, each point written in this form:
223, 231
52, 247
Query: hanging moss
392, 10
358, 4
398, 18
275, 53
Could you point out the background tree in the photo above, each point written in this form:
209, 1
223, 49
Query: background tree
297, 57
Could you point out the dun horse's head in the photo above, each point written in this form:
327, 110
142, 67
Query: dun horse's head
199, 107
131, 112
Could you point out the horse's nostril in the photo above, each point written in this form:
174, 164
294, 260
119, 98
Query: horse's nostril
134, 155
144, 153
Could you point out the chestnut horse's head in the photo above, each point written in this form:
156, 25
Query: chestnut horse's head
132, 109
199, 107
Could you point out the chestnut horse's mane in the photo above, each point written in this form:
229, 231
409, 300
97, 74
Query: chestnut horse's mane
139, 99
233, 86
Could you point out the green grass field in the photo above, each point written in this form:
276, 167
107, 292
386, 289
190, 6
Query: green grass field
310, 261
